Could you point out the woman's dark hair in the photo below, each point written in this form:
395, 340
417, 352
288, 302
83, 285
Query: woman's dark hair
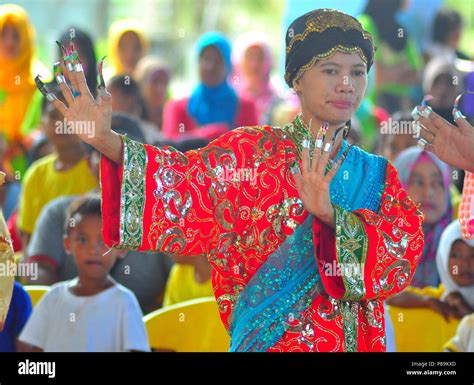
84, 41
89, 204
383, 14
446, 22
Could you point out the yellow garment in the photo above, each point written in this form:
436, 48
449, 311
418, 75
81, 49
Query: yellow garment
117, 30
455, 199
421, 329
430, 291
16, 78
182, 285
6, 258
42, 183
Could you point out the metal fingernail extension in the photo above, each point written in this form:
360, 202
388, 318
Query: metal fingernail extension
456, 111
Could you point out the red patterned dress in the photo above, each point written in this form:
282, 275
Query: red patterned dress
164, 200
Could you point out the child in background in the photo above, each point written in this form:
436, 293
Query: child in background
64, 172
463, 341
92, 312
189, 278
18, 313
455, 295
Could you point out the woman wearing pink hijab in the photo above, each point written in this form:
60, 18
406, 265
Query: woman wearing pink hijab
253, 62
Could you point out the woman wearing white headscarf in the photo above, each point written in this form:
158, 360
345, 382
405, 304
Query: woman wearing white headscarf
455, 263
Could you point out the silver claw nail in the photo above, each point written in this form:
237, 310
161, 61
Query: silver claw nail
69, 66
51, 97
306, 143
416, 113
327, 147
78, 67
422, 143
295, 170
426, 112
102, 91
457, 114
60, 79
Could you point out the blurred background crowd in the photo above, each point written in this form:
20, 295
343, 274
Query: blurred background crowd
163, 57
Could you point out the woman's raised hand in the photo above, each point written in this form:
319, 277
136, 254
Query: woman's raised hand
313, 183
452, 144
88, 118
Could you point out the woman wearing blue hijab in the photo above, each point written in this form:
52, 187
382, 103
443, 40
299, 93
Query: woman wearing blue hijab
214, 107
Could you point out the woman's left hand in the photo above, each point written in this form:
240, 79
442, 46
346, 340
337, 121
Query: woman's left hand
313, 184
452, 144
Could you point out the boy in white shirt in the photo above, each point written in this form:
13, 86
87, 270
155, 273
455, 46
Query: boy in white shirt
92, 312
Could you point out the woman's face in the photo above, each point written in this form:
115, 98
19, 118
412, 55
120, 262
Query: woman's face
212, 69
461, 263
332, 89
129, 50
154, 88
253, 64
10, 42
426, 188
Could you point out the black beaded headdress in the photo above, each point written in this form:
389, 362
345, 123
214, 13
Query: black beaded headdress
318, 35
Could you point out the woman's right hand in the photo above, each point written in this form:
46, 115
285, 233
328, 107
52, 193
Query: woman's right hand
83, 110
90, 118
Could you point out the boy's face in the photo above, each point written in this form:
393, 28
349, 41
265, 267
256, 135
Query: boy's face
53, 127
84, 242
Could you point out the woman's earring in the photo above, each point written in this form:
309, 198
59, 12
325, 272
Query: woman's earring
456, 111
347, 129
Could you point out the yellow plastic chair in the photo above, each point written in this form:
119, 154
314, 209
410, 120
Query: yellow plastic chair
36, 292
421, 330
191, 326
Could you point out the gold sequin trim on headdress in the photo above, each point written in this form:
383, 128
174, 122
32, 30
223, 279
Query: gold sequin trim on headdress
328, 18
326, 55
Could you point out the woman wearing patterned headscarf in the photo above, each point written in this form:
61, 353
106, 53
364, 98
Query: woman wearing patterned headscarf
306, 235
427, 181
